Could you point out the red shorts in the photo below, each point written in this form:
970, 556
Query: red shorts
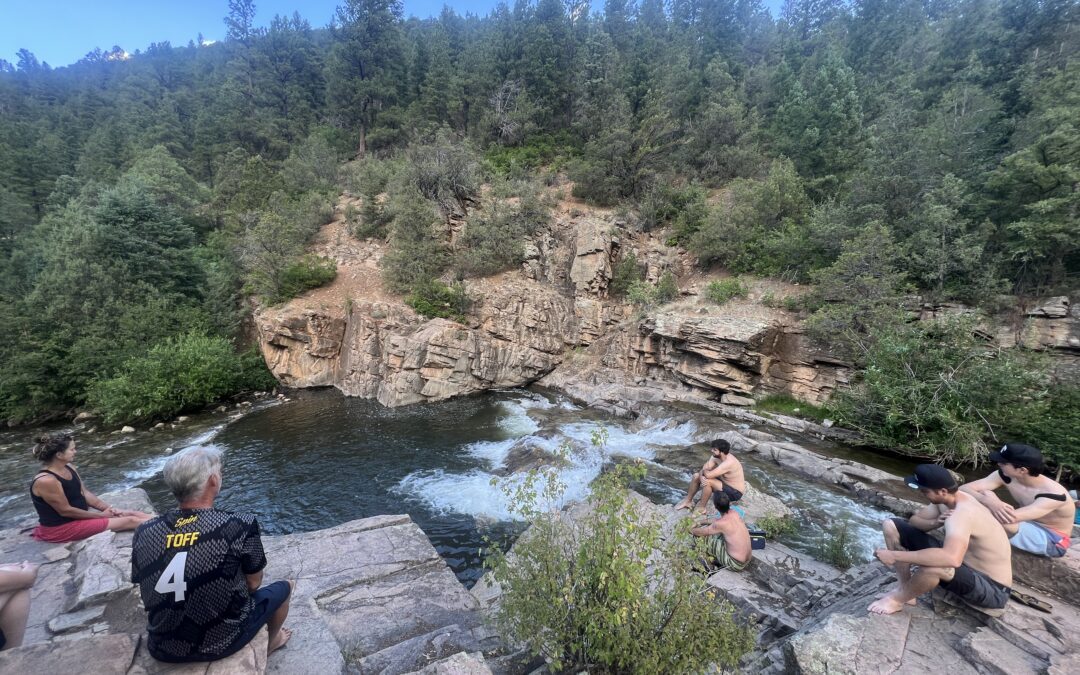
73, 531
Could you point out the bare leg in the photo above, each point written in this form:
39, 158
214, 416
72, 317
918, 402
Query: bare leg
707, 489
1011, 528
124, 523
278, 635
14, 610
892, 542
695, 483
925, 579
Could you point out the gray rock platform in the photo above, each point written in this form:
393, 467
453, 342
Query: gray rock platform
372, 596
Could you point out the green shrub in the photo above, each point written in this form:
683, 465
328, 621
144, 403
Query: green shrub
663, 204
776, 526
434, 299
641, 293
494, 238
667, 288
605, 592
179, 374
937, 390
740, 234
722, 290
1052, 424
626, 272
521, 160
785, 404
838, 547
306, 273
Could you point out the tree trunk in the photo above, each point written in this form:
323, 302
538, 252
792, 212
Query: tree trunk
361, 148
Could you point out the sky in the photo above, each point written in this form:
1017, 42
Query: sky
60, 32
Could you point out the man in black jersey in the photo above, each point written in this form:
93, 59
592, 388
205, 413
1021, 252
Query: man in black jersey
199, 571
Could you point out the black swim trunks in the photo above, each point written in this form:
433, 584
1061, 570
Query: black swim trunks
733, 494
968, 582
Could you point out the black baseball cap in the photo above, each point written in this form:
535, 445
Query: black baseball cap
931, 476
1018, 454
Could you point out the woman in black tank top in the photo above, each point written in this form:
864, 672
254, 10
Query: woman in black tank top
62, 501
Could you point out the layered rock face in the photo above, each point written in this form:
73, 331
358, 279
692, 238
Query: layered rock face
554, 321
386, 352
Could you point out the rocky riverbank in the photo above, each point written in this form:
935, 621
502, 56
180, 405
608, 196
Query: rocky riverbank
373, 596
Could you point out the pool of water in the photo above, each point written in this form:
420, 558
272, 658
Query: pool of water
322, 459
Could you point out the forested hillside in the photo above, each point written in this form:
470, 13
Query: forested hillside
877, 148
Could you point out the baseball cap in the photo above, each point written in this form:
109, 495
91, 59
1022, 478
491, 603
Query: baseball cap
931, 476
1018, 454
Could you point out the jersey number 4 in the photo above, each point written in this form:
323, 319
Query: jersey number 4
172, 579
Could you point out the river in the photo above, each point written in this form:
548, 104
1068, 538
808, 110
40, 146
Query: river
321, 459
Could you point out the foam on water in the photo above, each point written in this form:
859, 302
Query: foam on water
493, 452
475, 493
516, 422
472, 492
151, 466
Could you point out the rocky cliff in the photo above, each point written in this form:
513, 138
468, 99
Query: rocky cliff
553, 321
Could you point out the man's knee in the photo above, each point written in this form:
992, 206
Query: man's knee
942, 574
888, 527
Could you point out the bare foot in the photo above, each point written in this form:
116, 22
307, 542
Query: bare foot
887, 605
911, 602
283, 636
682, 505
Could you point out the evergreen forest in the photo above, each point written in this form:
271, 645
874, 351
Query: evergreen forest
876, 149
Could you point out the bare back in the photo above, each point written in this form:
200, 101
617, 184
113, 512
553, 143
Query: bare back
736, 536
988, 548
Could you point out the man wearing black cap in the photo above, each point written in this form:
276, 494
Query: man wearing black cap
973, 562
1042, 522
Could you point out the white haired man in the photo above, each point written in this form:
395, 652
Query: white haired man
199, 570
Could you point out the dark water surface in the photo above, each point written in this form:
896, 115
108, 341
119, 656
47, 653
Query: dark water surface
322, 459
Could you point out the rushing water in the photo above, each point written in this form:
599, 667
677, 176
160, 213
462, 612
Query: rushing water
323, 459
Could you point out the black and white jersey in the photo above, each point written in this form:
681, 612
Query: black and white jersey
190, 566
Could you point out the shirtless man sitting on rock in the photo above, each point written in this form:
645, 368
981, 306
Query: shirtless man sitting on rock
1044, 520
728, 540
722, 473
974, 561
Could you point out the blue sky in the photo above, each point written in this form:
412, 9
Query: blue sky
61, 32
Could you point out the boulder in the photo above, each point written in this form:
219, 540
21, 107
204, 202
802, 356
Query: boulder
73, 621
458, 664
735, 399
1058, 576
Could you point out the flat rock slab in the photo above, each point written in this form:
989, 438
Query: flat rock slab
250, 660
364, 588
101, 655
